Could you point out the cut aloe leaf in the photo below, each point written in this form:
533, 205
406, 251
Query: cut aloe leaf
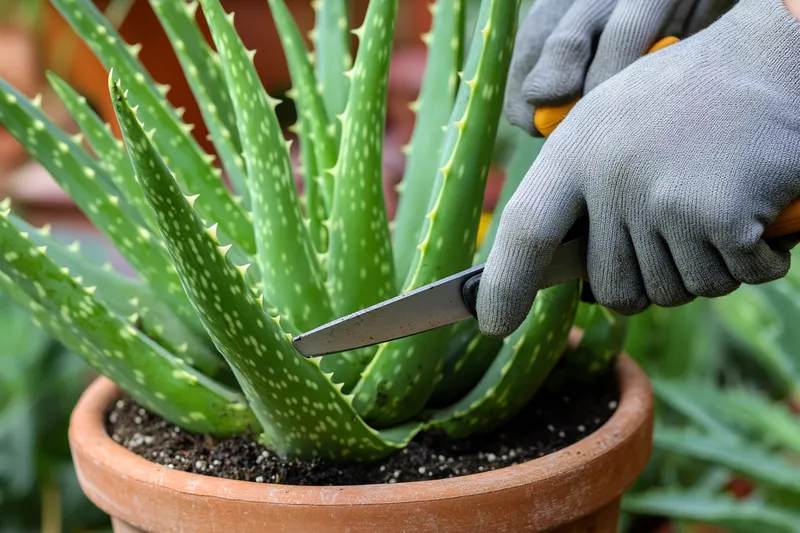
432, 109
191, 166
88, 185
524, 362
203, 70
302, 413
405, 371
287, 258
113, 346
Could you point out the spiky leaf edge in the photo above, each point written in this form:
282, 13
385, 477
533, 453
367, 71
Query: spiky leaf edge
68, 311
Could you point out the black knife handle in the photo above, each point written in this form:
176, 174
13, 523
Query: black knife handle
469, 290
469, 293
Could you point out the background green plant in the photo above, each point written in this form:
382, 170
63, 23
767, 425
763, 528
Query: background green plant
726, 410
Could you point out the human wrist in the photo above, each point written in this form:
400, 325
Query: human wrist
794, 7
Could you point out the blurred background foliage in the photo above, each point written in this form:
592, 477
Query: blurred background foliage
727, 437
725, 372
40, 382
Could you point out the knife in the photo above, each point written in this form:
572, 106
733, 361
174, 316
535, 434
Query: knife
441, 303
453, 298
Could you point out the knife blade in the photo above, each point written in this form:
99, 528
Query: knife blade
438, 304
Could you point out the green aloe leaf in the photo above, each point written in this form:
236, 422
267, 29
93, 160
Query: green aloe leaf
526, 151
203, 70
109, 343
55, 150
110, 151
449, 233
316, 211
287, 258
432, 109
524, 362
468, 356
302, 413
93, 191
192, 167
405, 371
331, 38
604, 334
741, 516
750, 461
128, 298
310, 105
360, 266
470, 352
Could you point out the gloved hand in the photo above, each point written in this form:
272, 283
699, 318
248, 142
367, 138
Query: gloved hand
553, 60
680, 161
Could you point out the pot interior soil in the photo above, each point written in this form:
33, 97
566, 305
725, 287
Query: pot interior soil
553, 420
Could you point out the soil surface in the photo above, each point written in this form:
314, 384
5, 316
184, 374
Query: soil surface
552, 421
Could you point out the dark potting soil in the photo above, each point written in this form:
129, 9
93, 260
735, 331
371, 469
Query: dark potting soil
553, 420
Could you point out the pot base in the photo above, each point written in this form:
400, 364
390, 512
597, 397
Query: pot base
604, 520
576, 489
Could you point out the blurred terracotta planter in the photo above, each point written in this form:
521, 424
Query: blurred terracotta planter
19, 64
573, 490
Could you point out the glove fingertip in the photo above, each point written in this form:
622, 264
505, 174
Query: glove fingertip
558, 89
498, 325
499, 313
519, 114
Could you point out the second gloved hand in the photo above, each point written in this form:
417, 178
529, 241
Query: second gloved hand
680, 162
566, 48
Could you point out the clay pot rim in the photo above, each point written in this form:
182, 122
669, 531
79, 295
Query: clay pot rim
87, 432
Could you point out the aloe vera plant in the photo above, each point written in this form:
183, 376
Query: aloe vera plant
202, 336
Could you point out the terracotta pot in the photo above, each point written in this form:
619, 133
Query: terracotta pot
574, 490
18, 67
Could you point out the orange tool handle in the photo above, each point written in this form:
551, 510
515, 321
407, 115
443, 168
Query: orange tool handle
787, 223
547, 118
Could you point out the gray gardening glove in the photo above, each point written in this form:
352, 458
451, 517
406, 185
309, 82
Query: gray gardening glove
679, 161
554, 61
